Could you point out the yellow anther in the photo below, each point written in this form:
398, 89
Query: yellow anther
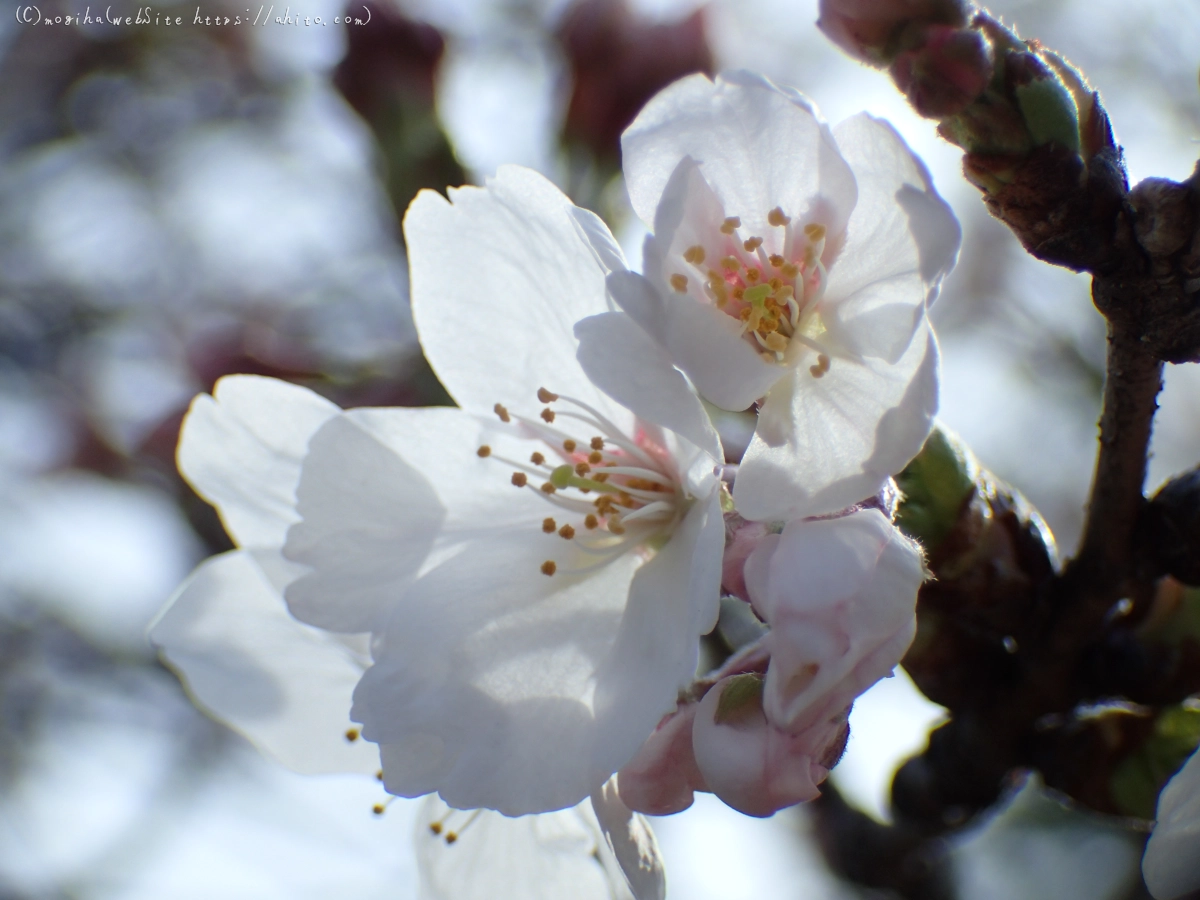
435, 827
814, 232
548, 488
536, 458
776, 283
582, 469
546, 396
790, 270
752, 276
569, 445
600, 477
520, 479
732, 263
777, 218
566, 532
783, 292
767, 357
549, 525
776, 260
352, 735
753, 244
776, 341
730, 225
548, 415
590, 521
501, 412
549, 567
379, 809
484, 451
451, 837
739, 292
597, 443
679, 283
821, 367
379, 775
595, 457
694, 254
615, 526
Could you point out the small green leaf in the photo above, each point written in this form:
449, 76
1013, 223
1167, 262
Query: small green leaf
1049, 112
935, 485
1137, 781
740, 700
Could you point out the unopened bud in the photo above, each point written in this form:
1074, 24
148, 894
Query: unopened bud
1045, 102
949, 69
872, 30
1171, 528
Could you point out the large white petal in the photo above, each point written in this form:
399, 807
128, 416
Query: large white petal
1171, 865
824, 444
284, 685
499, 277
379, 487
241, 450
624, 361
503, 688
760, 146
546, 857
902, 240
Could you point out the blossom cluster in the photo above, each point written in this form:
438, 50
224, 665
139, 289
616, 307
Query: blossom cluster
502, 602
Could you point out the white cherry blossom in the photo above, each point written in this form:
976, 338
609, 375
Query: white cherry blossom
1171, 865
790, 266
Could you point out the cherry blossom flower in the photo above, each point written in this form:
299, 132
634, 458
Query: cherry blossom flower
287, 686
1171, 865
790, 267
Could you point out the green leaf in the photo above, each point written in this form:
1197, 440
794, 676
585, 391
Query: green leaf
1137, 781
1049, 112
741, 699
935, 485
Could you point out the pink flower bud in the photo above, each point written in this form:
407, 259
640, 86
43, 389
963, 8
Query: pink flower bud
867, 29
741, 537
751, 765
840, 597
662, 776
946, 73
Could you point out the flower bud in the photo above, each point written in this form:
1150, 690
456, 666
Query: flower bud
870, 30
948, 70
1171, 528
662, 776
753, 766
741, 537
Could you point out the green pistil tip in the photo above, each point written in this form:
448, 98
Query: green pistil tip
758, 294
564, 476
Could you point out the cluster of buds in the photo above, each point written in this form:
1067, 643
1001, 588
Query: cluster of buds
1038, 142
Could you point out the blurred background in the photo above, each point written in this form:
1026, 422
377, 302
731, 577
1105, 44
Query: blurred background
182, 202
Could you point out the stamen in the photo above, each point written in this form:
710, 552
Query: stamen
549, 567
546, 396
536, 458
679, 283
566, 532
595, 457
777, 218
732, 263
520, 479
597, 443
548, 488
752, 276
569, 445
649, 510
777, 260
590, 521
547, 415
352, 734
549, 525
777, 342
502, 413
822, 366
694, 254
484, 451
582, 469
814, 232
730, 225
753, 244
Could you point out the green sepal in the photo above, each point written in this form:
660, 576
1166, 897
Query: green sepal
1138, 780
1049, 112
741, 699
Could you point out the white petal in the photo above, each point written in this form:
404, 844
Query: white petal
747, 135
624, 362
544, 857
1171, 865
523, 693
824, 444
632, 842
241, 450
284, 685
500, 275
899, 227
378, 487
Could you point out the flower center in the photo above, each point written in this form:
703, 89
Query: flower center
611, 492
773, 285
